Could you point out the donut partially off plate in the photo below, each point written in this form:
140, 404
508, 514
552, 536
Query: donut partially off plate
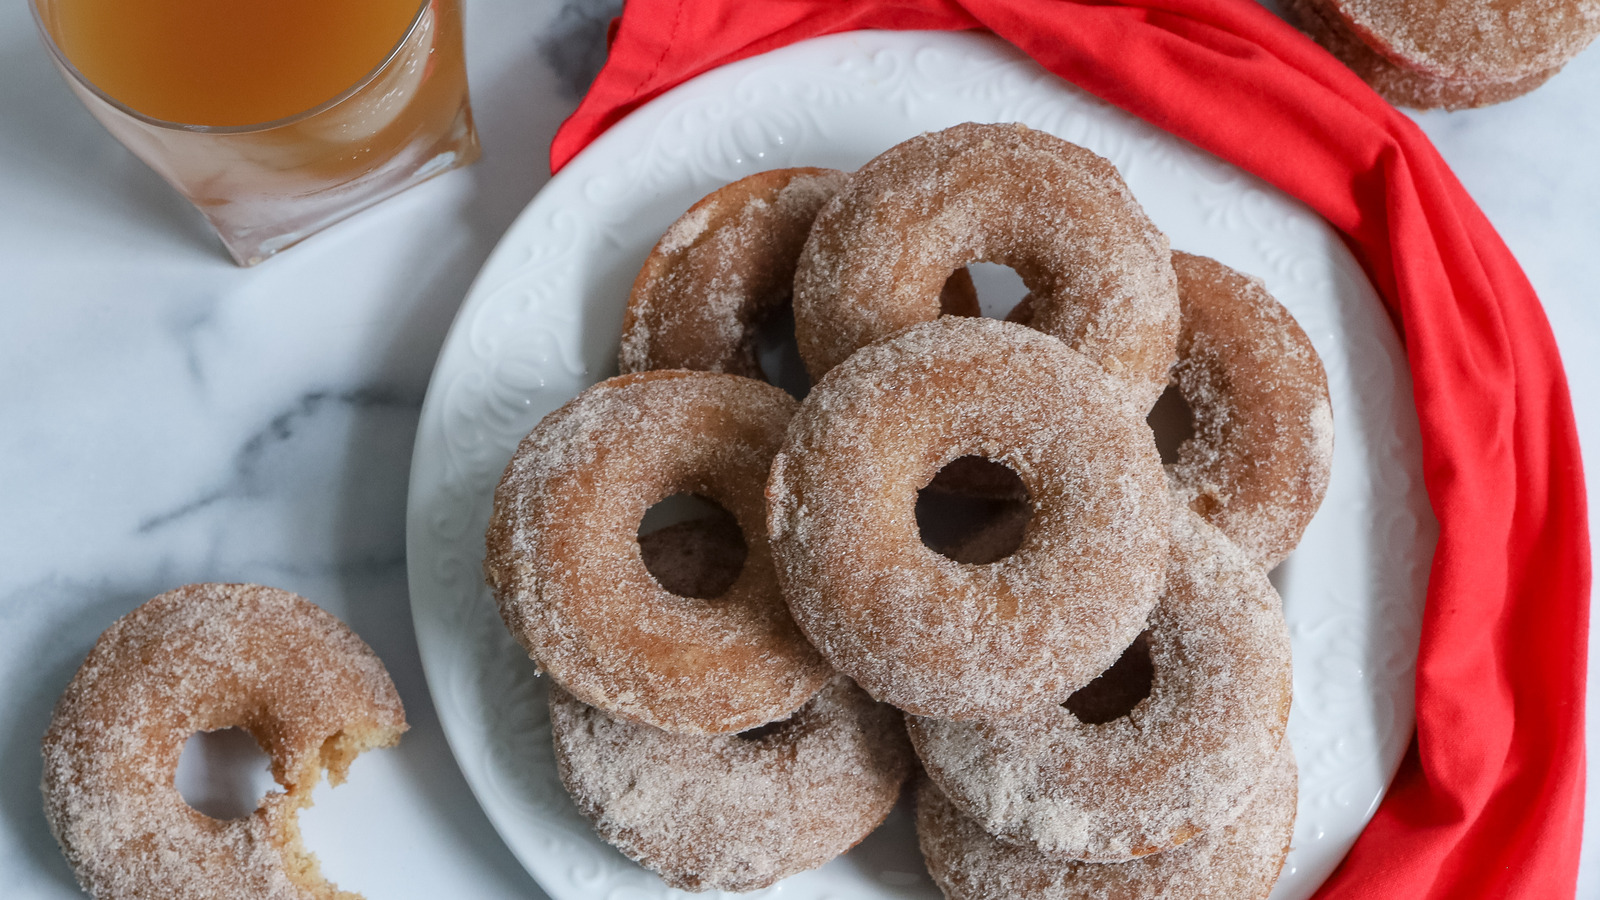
1453, 54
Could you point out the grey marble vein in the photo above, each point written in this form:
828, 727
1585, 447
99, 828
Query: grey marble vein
281, 429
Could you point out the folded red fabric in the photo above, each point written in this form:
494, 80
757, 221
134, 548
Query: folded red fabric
1489, 799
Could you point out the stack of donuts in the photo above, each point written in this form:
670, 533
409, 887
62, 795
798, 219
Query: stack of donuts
1095, 683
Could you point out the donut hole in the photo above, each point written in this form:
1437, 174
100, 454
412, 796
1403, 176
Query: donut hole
1172, 421
1119, 689
999, 288
692, 546
778, 354
223, 774
974, 511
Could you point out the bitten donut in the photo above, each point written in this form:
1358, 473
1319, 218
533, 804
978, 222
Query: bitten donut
1258, 462
1054, 212
1238, 861
1450, 53
735, 812
922, 631
564, 562
1182, 762
201, 658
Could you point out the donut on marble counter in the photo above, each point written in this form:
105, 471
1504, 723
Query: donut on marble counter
922, 631
1054, 212
565, 565
1183, 761
1238, 861
735, 812
201, 658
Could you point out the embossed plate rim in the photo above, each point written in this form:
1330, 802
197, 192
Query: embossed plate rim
541, 321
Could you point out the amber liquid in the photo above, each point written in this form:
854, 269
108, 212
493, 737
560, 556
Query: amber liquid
227, 62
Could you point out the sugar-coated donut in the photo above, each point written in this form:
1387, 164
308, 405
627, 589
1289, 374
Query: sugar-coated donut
1054, 212
564, 561
725, 267
1239, 861
735, 812
719, 271
201, 658
1453, 54
922, 631
1182, 762
1258, 463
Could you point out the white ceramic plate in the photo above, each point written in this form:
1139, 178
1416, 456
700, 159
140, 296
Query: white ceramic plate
542, 321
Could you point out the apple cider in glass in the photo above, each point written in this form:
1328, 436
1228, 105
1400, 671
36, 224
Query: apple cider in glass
275, 118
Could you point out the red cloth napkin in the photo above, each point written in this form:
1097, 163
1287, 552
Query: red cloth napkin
1489, 799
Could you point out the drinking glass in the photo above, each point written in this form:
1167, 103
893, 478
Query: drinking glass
268, 186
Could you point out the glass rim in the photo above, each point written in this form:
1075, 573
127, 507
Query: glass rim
76, 75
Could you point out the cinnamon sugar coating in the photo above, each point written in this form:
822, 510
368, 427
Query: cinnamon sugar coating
564, 561
1258, 464
1398, 82
1054, 212
1261, 455
735, 812
200, 658
724, 267
1185, 760
1238, 861
1470, 42
925, 632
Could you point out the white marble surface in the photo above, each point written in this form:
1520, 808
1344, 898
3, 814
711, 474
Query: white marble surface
166, 417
